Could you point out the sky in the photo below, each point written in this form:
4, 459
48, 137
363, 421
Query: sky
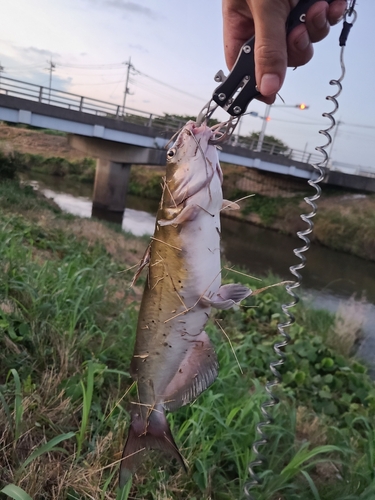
176, 48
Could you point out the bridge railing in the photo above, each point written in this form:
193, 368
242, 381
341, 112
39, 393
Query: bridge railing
166, 125
275, 149
68, 100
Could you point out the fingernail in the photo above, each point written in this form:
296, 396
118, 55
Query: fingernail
269, 84
303, 41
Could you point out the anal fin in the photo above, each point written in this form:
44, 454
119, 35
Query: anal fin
196, 373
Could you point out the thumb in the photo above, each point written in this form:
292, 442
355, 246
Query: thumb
270, 51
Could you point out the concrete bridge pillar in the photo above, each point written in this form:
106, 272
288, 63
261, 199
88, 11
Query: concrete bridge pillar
113, 164
111, 185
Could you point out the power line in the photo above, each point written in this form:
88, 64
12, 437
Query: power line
358, 125
296, 122
171, 86
93, 66
90, 84
115, 66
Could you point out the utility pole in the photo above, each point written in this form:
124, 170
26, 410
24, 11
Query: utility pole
266, 119
51, 69
126, 90
1, 69
339, 122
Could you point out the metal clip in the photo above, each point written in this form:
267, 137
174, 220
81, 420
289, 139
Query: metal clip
223, 131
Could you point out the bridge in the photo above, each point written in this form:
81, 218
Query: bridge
120, 137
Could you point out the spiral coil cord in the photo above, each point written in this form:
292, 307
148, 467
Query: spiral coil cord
320, 170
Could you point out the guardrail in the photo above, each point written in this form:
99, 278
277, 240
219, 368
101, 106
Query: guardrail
348, 168
67, 100
164, 124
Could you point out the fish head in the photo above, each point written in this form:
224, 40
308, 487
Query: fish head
192, 162
191, 140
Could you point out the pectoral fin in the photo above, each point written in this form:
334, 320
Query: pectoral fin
188, 213
230, 205
197, 371
227, 296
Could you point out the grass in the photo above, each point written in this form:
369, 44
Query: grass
82, 170
349, 230
67, 326
268, 208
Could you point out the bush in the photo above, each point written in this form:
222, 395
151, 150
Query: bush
10, 164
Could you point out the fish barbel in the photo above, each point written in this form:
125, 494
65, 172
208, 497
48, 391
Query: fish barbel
174, 360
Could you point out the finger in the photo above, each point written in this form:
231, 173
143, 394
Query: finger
336, 11
318, 18
317, 21
300, 49
238, 27
299, 41
270, 46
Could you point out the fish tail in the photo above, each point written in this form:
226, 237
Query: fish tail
153, 434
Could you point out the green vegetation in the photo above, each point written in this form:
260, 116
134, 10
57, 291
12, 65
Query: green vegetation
82, 170
351, 231
266, 207
175, 121
270, 142
146, 183
9, 165
67, 326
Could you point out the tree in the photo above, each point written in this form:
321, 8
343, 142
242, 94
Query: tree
178, 121
271, 144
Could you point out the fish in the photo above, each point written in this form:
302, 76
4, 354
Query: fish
174, 360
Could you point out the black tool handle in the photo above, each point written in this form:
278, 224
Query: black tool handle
239, 88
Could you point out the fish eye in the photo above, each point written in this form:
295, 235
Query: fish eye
171, 153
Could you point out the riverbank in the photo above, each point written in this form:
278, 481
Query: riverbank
67, 324
345, 221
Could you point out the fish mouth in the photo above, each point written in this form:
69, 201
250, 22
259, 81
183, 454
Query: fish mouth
193, 129
216, 134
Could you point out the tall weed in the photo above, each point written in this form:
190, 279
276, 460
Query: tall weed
66, 335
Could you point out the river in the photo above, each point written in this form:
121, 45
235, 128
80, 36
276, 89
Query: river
329, 279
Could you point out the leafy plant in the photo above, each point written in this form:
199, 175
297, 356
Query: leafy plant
67, 326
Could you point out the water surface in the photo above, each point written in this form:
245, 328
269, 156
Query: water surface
329, 279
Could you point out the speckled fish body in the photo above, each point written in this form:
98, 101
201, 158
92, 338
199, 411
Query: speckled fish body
173, 359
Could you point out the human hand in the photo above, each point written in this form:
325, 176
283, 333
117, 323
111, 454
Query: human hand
273, 50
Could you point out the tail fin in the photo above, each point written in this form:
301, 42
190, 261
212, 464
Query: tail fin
154, 434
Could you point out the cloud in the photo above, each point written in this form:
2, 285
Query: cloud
38, 52
131, 7
35, 50
137, 46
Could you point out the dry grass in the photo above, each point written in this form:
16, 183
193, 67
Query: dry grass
347, 329
36, 142
56, 473
310, 427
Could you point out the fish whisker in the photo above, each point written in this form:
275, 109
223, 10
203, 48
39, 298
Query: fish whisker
169, 191
243, 274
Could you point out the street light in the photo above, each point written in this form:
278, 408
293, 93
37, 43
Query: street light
266, 118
